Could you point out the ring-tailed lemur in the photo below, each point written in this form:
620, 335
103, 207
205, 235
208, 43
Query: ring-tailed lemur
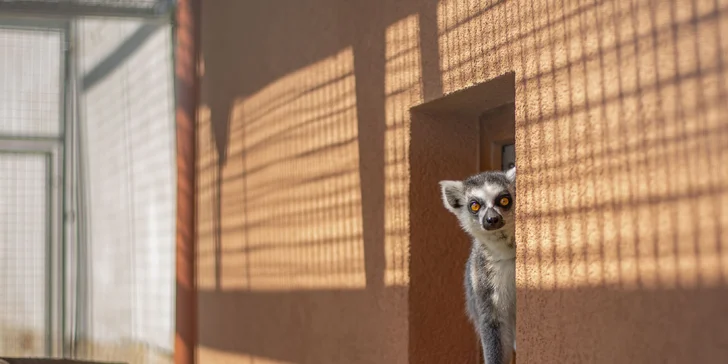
484, 205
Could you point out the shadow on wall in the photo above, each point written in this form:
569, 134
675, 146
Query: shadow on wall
303, 180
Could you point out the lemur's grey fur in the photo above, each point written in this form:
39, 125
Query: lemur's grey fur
490, 285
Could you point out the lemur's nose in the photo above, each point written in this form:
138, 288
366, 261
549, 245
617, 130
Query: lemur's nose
492, 219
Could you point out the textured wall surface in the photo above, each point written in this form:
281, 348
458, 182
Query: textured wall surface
302, 181
304, 175
621, 140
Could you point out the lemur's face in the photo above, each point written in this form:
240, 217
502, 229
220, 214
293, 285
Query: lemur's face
484, 203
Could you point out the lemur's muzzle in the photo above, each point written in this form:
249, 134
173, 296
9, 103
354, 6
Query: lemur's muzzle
492, 220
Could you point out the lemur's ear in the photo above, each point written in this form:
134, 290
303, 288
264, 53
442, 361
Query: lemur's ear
453, 195
511, 174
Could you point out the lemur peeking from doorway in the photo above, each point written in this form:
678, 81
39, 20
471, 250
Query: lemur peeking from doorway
484, 205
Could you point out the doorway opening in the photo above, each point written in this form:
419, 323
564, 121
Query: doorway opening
453, 137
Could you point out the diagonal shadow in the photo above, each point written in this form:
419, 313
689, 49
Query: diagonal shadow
116, 58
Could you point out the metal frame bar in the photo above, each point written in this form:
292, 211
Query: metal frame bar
73, 9
80, 263
68, 153
7, 21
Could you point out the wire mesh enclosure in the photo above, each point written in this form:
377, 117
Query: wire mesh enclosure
87, 180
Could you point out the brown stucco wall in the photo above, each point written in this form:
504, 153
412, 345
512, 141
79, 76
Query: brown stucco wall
304, 182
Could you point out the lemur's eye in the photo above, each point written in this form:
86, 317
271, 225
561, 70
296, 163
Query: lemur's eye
474, 207
504, 201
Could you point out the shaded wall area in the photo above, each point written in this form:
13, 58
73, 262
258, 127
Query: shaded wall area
304, 175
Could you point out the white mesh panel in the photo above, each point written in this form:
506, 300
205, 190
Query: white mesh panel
23, 240
129, 131
30, 82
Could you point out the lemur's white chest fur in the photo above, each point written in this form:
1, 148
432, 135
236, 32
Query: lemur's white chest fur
504, 278
501, 260
505, 294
